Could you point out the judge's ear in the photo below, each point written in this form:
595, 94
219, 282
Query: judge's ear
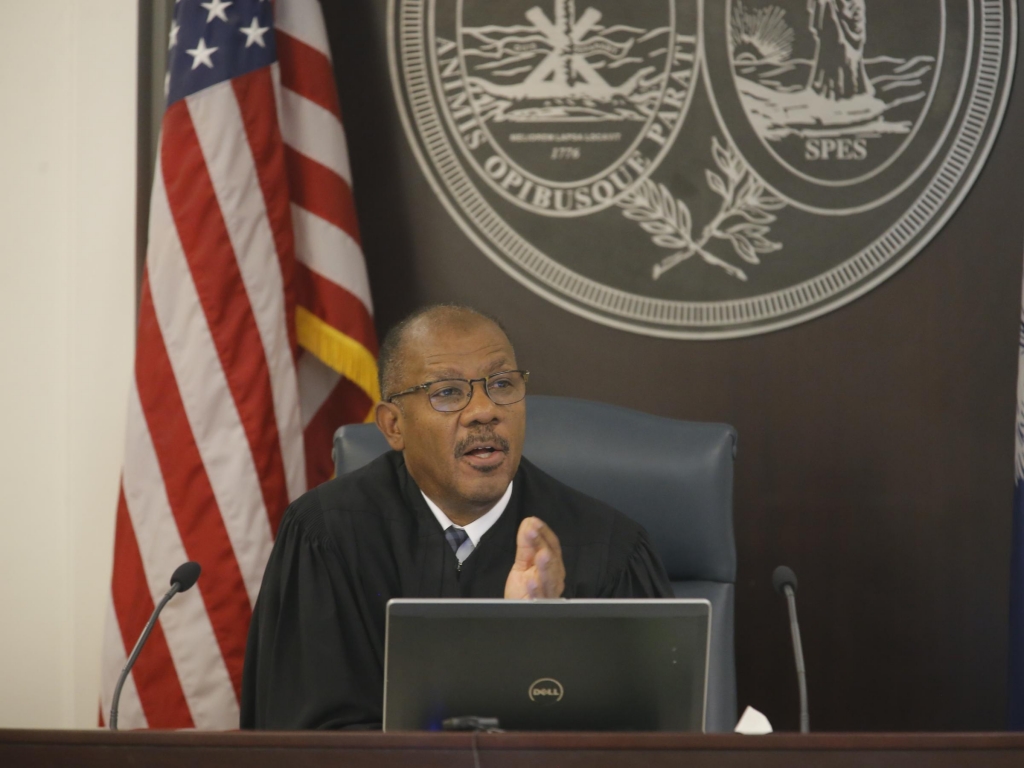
389, 422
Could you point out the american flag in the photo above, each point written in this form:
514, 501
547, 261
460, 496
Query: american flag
255, 341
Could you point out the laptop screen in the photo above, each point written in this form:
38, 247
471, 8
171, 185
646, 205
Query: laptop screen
624, 665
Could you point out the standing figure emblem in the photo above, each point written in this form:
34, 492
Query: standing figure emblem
840, 29
829, 105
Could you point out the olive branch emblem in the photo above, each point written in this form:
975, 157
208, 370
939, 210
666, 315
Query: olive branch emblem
743, 219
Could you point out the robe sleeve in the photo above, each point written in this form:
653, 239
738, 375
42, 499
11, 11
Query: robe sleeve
643, 574
310, 661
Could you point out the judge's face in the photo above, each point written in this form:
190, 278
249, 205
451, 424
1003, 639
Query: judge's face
464, 460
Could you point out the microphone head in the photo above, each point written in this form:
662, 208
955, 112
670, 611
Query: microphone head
185, 575
782, 576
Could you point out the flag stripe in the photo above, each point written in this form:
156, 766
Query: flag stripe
315, 132
218, 122
307, 71
337, 307
227, 462
332, 254
322, 192
218, 281
189, 493
316, 382
190, 637
154, 669
303, 19
257, 100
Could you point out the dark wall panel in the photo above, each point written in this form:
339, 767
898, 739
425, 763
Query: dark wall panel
876, 442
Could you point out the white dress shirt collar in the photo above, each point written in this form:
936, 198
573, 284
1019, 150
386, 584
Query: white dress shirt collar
478, 527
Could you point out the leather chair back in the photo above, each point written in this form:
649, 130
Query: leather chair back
673, 477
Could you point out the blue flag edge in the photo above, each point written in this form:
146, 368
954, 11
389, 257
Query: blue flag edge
1015, 681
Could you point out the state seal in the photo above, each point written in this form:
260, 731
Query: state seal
701, 170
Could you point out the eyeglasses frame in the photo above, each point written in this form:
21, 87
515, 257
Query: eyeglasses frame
426, 385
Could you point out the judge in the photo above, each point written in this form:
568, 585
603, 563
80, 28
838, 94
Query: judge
454, 510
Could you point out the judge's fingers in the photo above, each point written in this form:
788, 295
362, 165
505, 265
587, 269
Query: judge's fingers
540, 535
547, 557
525, 549
528, 541
533, 589
550, 539
550, 573
539, 551
549, 561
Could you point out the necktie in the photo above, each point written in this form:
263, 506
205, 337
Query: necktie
459, 541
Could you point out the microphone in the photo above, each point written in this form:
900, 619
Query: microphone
182, 579
784, 581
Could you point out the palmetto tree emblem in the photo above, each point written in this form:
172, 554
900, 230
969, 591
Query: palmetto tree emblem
565, 71
565, 66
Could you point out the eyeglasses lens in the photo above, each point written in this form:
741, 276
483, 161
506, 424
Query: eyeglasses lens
454, 395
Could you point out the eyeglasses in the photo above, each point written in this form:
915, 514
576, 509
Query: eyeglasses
449, 395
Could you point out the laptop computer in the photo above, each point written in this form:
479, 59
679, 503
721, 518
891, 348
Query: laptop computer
568, 665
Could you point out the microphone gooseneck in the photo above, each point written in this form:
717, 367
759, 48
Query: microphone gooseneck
784, 581
182, 580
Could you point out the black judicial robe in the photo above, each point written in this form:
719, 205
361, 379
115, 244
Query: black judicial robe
315, 652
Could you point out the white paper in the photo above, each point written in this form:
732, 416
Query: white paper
753, 723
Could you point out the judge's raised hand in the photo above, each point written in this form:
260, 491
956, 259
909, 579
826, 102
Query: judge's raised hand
538, 571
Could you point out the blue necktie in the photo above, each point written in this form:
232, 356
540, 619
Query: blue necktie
456, 538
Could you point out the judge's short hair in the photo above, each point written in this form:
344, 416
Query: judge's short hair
389, 358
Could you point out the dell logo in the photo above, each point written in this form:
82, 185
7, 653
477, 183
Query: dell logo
547, 690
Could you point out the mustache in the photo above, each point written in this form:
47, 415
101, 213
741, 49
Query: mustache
475, 441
